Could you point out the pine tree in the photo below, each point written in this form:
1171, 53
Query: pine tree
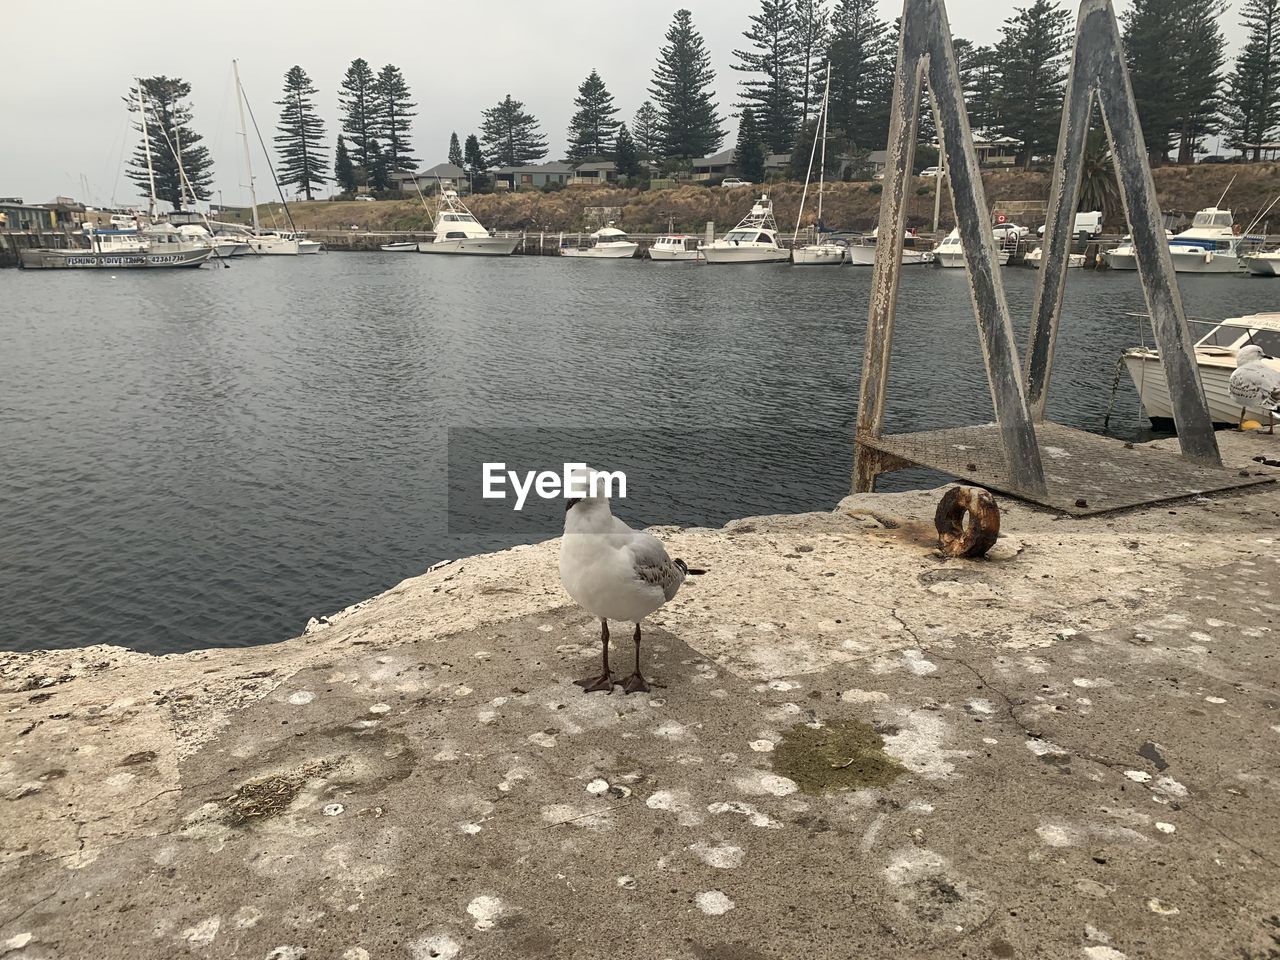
358, 102
343, 170
169, 128
1176, 52
592, 129
645, 127
300, 132
625, 155
810, 28
1033, 71
474, 156
378, 173
394, 113
511, 136
749, 152
861, 55
688, 120
772, 90
455, 151
1254, 85
978, 76
1203, 53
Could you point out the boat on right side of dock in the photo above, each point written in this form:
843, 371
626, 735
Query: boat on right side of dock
1212, 244
458, 232
1265, 263
1215, 355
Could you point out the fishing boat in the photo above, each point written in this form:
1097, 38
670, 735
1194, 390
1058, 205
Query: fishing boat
753, 240
400, 246
117, 250
1215, 354
863, 252
1212, 244
607, 243
823, 252
458, 231
675, 246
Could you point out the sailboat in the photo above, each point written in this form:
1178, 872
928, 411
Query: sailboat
823, 252
267, 242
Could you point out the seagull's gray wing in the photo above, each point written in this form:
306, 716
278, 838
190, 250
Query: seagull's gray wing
652, 565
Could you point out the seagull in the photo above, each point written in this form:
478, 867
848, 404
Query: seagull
1253, 383
616, 573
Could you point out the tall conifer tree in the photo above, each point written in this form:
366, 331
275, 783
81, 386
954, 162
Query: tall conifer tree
592, 130
772, 88
688, 119
301, 130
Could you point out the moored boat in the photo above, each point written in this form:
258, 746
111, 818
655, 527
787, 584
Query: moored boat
822, 252
753, 240
118, 249
1211, 244
457, 231
675, 246
400, 246
1215, 354
1263, 264
607, 243
863, 252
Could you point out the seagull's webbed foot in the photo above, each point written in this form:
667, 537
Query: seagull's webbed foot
635, 684
592, 684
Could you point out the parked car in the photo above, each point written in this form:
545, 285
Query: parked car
365, 198
1215, 158
730, 182
931, 172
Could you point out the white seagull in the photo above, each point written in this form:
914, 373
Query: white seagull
1254, 384
616, 573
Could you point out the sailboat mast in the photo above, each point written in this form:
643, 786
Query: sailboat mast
146, 140
822, 166
244, 132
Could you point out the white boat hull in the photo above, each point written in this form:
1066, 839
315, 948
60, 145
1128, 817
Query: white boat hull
674, 255
274, 247
955, 258
309, 246
818, 255
602, 251
1200, 261
404, 246
473, 246
1147, 374
864, 255
1263, 264
744, 253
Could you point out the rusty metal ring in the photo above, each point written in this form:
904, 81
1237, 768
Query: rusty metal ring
974, 539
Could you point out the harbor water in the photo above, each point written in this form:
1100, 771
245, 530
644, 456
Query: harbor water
211, 457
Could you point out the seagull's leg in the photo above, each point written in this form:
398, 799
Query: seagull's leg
636, 683
1242, 409
605, 680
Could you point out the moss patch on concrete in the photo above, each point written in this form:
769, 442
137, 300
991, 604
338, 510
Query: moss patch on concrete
843, 755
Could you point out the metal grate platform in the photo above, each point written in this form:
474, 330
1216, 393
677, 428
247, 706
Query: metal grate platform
1102, 473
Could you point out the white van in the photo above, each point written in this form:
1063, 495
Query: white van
1086, 222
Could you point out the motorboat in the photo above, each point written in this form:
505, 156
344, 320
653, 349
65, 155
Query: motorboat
1210, 245
675, 246
607, 243
1033, 259
823, 251
863, 252
305, 244
1215, 359
271, 244
118, 249
457, 231
753, 240
400, 246
950, 253
1263, 263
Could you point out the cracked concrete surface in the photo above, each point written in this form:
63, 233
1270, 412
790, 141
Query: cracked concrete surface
1087, 729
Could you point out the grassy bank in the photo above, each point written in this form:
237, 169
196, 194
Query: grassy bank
855, 206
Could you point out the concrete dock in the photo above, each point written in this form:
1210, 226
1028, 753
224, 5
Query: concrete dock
860, 750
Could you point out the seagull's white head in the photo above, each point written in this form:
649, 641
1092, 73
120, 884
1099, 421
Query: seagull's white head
583, 493
1250, 354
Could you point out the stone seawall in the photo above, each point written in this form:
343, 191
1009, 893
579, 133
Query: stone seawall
858, 749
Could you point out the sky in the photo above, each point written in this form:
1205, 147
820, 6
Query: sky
64, 123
